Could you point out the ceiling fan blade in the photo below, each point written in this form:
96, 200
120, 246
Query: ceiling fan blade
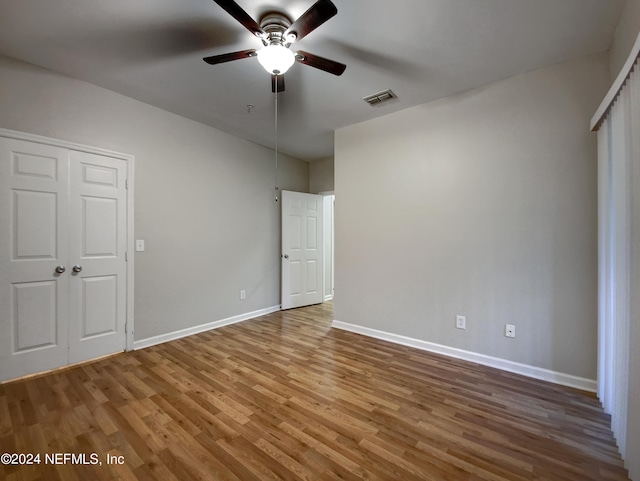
277, 83
320, 12
228, 57
233, 9
331, 66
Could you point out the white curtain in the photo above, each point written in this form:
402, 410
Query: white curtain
618, 210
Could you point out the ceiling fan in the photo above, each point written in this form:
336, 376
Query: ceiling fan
277, 33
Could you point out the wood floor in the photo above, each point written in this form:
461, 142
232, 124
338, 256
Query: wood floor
287, 397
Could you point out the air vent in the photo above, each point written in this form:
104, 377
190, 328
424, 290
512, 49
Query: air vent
380, 97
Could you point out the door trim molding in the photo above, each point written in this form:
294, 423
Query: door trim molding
129, 159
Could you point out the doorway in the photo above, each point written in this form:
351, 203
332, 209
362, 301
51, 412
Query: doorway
329, 201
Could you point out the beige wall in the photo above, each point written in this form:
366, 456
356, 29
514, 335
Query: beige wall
321, 175
204, 199
625, 36
481, 204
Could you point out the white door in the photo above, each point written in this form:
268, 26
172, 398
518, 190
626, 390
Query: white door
33, 244
60, 209
301, 250
97, 246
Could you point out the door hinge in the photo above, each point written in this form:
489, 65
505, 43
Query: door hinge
126, 256
126, 183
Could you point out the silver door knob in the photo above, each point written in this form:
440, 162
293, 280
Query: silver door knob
77, 269
61, 269
286, 256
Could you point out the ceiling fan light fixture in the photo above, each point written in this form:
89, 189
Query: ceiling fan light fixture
276, 59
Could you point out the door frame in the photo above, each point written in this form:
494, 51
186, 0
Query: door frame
330, 243
129, 159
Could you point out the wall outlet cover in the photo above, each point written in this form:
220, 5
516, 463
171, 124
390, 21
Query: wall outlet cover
510, 330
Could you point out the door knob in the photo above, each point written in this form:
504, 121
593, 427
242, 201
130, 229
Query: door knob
286, 256
77, 269
61, 269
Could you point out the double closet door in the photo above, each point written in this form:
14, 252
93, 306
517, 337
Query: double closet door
63, 271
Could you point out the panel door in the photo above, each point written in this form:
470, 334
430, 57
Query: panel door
33, 244
97, 246
302, 266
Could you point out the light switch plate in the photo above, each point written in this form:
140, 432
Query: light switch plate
139, 245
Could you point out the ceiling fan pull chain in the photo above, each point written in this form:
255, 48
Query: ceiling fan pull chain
276, 139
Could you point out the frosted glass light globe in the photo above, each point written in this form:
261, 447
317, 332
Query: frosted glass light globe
276, 59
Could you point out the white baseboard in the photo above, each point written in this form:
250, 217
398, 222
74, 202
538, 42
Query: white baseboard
172, 336
503, 364
328, 297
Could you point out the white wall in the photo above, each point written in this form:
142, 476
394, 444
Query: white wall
204, 199
625, 36
321, 175
481, 204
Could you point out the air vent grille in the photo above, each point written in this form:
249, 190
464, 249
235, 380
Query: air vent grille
380, 97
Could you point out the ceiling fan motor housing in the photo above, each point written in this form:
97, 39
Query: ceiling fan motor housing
274, 25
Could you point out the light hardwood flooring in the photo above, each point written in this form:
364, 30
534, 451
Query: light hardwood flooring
285, 396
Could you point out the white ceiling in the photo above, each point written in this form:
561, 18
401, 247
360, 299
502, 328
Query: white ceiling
423, 50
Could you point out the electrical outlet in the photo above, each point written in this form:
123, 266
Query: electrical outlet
510, 330
243, 295
461, 322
